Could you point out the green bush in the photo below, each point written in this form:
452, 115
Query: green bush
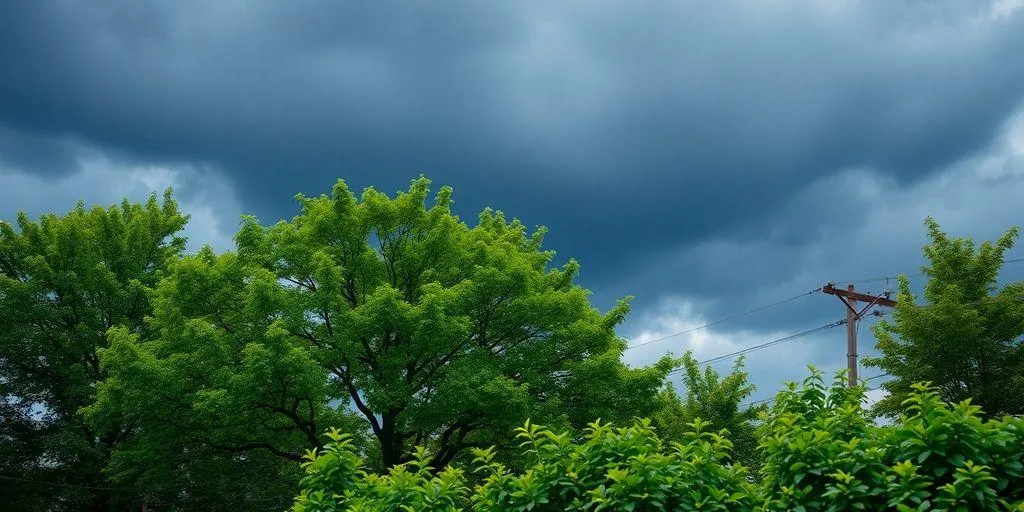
616, 469
820, 451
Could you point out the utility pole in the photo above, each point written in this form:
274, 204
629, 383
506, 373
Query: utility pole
853, 315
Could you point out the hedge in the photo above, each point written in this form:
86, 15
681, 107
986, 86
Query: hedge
820, 449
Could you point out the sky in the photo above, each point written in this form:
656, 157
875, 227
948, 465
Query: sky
707, 158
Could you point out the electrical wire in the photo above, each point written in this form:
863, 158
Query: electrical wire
726, 319
765, 344
883, 375
915, 274
774, 304
968, 303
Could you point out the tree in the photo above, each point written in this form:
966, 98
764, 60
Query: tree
222, 401
967, 338
64, 281
716, 400
433, 332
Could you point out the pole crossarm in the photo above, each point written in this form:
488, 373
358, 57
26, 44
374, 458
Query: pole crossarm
880, 300
850, 298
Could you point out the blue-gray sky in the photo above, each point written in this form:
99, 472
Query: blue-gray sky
706, 157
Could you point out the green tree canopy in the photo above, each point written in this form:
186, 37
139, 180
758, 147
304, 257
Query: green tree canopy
433, 332
64, 281
716, 400
222, 400
967, 337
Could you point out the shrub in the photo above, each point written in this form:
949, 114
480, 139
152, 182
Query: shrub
820, 450
616, 469
624, 468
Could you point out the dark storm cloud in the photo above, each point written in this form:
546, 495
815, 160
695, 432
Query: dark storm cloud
631, 129
43, 154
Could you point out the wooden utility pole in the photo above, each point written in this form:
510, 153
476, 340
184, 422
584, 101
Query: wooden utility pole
853, 315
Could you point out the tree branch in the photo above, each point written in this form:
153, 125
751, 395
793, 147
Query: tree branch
244, 447
354, 394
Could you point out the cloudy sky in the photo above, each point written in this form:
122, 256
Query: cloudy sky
705, 157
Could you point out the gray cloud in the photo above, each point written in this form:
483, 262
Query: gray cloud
698, 149
211, 203
44, 155
976, 197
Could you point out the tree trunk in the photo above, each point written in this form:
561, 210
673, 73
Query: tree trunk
391, 442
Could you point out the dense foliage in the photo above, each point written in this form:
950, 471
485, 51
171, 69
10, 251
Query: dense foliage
968, 339
223, 403
821, 453
715, 399
64, 281
133, 375
609, 469
387, 318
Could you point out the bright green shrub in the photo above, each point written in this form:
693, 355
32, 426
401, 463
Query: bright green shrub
616, 469
335, 482
821, 452
624, 468
820, 449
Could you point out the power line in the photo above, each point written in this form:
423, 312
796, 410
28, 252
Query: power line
968, 303
874, 279
766, 344
774, 304
726, 319
915, 274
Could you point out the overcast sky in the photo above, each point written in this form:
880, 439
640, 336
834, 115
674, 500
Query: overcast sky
705, 157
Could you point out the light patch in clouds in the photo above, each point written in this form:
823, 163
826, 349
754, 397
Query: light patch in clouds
201, 193
768, 368
978, 197
676, 315
1002, 9
1015, 134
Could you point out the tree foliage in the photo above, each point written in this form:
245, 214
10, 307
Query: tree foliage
716, 400
131, 373
223, 401
821, 449
433, 332
64, 281
966, 338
